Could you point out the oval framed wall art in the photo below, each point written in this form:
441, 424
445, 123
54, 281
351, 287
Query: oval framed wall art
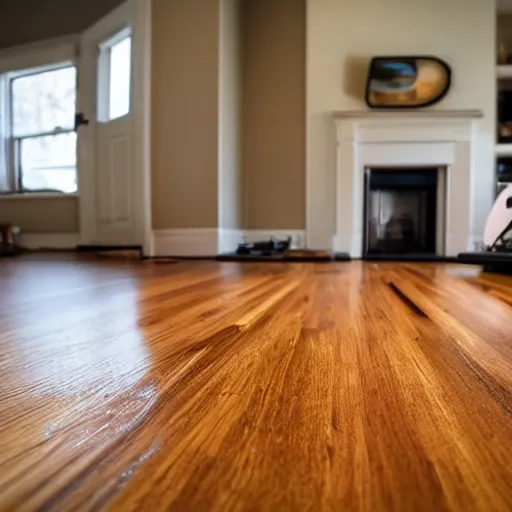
407, 81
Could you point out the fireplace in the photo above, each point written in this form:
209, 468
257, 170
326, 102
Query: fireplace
383, 143
400, 211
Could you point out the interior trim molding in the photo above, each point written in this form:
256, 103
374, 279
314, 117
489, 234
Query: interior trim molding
414, 141
137, 15
229, 239
141, 34
208, 242
61, 241
402, 113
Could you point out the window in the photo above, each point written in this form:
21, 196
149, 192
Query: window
48, 162
114, 70
41, 129
120, 67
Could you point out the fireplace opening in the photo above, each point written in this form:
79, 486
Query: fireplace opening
401, 211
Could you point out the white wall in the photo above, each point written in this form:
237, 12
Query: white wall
342, 36
230, 175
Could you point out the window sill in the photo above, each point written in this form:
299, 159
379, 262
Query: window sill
35, 195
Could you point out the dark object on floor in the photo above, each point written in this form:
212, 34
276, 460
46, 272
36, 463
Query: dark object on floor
410, 256
341, 256
264, 248
280, 250
496, 262
299, 256
8, 235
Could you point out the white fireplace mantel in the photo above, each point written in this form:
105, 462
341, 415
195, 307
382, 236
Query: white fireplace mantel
407, 114
420, 138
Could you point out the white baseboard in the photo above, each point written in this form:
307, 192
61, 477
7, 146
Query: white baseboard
59, 241
339, 243
350, 245
211, 241
229, 239
476, 243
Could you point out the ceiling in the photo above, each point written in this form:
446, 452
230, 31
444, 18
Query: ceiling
26, 21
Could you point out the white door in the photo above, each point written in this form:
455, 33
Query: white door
105, 147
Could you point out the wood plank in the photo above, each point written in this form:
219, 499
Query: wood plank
224, 386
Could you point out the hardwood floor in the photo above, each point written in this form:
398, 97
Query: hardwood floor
206, 386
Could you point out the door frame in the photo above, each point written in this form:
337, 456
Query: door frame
139, 12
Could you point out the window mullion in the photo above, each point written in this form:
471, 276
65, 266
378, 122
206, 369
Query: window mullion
44, 134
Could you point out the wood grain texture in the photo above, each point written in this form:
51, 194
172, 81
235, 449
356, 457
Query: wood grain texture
208, 386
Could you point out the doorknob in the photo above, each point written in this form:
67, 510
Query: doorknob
80, 120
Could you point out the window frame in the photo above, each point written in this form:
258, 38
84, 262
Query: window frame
22, 61
16, 141
103, 77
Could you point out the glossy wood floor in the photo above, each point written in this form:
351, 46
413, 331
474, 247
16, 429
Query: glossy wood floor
205, 386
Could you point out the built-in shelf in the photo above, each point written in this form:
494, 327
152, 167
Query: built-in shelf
503, 150
504, 71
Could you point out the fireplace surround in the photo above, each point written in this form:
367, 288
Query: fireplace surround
415, 140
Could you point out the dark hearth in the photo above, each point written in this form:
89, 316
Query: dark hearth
400, 211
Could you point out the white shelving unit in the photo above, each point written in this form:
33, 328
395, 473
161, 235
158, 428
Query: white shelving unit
504, 80
504, 72
503, 150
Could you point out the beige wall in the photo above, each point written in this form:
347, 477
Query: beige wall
27, 21
185, 113
342, 36
195, 114
273, 99
230, 172
189, 101
40, 215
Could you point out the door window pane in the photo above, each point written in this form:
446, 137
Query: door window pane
49, 163
43, 102
120, 67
